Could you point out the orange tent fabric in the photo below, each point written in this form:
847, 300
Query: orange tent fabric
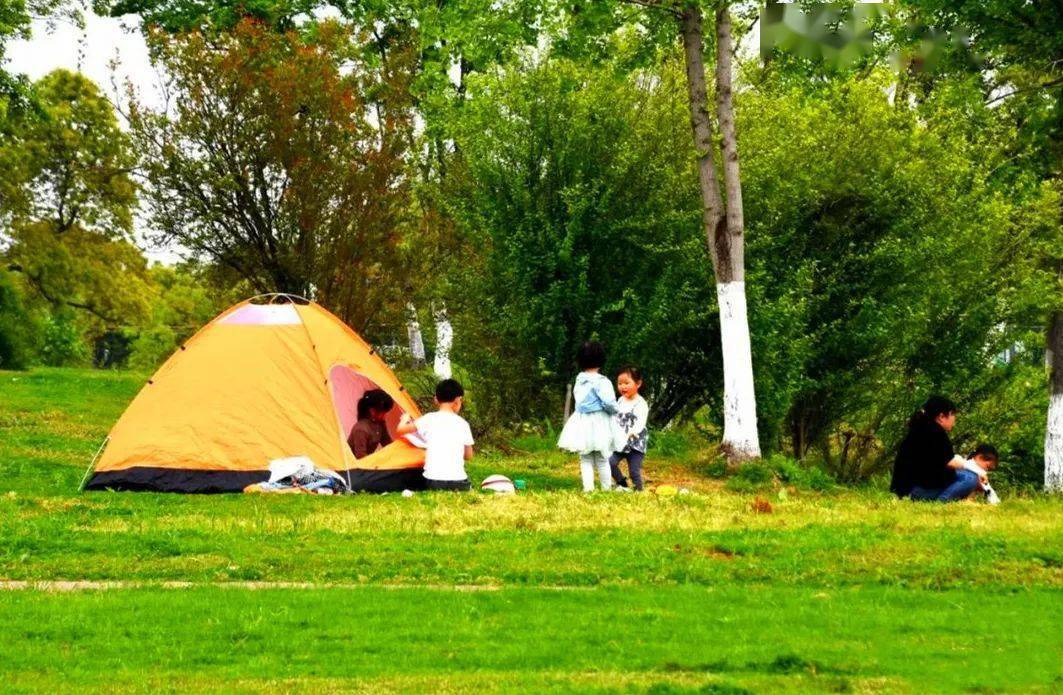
261, 381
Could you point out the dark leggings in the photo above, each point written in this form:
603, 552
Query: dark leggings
634, 466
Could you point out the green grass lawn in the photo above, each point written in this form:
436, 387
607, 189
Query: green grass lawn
848, 591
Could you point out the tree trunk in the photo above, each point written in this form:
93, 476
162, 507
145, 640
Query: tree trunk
724, 229
444, 340
1054, 429
413, 331
797, 434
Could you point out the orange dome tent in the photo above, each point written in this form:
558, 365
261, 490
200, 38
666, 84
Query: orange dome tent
261, 381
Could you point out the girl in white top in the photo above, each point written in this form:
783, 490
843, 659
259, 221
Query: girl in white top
589, 432
631, 434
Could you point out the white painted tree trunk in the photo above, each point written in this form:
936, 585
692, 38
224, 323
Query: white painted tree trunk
1054, 428
739, 399
724, 225
444, 341
1054, 445
413, 331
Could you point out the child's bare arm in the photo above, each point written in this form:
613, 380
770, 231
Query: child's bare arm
406, 425
468, 453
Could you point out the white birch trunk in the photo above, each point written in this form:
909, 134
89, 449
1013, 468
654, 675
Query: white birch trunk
1054, 445
1054, 426
444, 341
413, 331
739, 399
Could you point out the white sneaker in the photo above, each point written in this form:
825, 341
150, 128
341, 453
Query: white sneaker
621, 488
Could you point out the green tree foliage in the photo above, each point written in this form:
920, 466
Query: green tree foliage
442, 41
16, 106
184, 15
284, 160
579, 186
905, 260
16, 17
883, 262
185, 300
1016, 48
18, 330
72, 241
62, 341
153, 345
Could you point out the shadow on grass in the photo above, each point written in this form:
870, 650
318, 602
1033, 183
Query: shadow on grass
784, 664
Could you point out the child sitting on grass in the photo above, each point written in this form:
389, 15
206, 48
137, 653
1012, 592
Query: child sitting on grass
447, 437
982, 460
632, 413
589, 431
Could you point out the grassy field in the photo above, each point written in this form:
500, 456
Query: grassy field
849, 591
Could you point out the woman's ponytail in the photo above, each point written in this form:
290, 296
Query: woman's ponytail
934, 406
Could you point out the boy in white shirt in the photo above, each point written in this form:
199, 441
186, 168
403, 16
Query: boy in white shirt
447, 437
980, 462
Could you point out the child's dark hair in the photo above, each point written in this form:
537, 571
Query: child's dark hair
632, 371
987, 452
374, 399
448, 391
591, 355
934, 406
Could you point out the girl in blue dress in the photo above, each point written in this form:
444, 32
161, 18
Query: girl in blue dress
589, 431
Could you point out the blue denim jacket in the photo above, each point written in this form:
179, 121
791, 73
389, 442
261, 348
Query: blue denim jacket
593, 393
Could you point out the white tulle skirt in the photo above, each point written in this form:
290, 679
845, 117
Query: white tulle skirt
587, 433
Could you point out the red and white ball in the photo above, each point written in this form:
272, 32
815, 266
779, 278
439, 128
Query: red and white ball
499, 484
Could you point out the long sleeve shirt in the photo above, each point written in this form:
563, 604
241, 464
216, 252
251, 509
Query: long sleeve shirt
367, 436
923, 460
592, 393
632, 415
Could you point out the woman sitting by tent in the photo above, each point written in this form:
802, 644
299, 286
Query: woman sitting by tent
371, 431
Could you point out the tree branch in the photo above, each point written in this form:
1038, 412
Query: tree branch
38, 285
669, 7
1034, 88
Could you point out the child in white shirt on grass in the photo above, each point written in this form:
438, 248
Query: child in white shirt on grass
980, 462
631, 435
447, 437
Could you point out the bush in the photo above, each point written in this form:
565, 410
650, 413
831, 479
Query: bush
62, 344
1010, 415
756, 473
776, 470
152, 346
750, 477
807, 477
18, 332
715, 468
675, 442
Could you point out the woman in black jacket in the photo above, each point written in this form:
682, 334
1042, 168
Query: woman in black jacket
927, 467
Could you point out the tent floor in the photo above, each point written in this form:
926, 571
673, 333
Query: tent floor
145, 479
